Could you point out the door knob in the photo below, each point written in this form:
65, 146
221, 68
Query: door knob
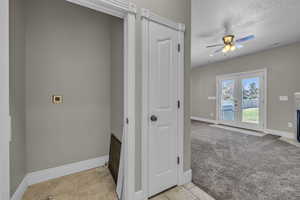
153, 118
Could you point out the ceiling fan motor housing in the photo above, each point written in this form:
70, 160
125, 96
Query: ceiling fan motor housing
228, 39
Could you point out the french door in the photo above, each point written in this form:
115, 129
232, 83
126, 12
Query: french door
241, 99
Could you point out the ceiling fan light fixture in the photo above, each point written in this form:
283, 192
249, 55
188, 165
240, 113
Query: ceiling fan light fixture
230, 44
228, 39
232, 48
226, 48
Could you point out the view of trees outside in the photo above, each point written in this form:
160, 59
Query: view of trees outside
227, 90
252, 92
227, 100
250, 100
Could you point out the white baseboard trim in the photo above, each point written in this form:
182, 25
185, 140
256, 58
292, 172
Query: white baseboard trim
291, 141
140, 195
48, 174
20, 190
240, 130
283, 134
211, 121
187, 177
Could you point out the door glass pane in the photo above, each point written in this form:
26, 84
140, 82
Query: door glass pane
227, 100
250, 100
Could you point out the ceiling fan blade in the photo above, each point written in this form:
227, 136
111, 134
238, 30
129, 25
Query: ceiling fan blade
215, 45
218, 50
244, 39
239, 46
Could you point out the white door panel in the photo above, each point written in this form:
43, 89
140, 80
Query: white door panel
163, 105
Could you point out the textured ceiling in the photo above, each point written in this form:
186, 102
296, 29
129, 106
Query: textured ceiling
273, 22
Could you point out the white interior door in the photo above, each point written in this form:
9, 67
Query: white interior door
163, 96
241, 99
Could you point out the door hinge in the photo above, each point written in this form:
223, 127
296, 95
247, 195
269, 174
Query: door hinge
178, 160
178, 104
127, 121
179, 47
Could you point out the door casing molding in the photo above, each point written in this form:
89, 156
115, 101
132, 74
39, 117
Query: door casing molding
265, 100
118, 8
5, 124
148, 16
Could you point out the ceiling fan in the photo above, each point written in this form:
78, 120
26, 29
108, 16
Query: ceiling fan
230, 44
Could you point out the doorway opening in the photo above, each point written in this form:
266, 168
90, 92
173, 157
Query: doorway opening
72, 72
241, 99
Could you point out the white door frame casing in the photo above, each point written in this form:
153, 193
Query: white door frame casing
148, 16
118, 8
263, 114
4, 101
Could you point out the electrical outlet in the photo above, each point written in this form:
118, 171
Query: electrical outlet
290, 124
212, 114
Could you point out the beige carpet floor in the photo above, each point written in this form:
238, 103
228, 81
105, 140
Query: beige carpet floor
236, 166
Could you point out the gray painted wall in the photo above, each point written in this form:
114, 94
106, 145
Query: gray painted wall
117, 78
283, 80
54, 65
68, 52
179, 11
17, 93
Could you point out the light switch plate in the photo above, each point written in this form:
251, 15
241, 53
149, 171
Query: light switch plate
283, 98
297, 100
297, 95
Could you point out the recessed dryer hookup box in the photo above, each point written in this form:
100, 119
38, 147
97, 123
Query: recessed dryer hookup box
57, 99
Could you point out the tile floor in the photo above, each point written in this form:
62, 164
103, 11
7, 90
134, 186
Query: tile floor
185, 192
97, 184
